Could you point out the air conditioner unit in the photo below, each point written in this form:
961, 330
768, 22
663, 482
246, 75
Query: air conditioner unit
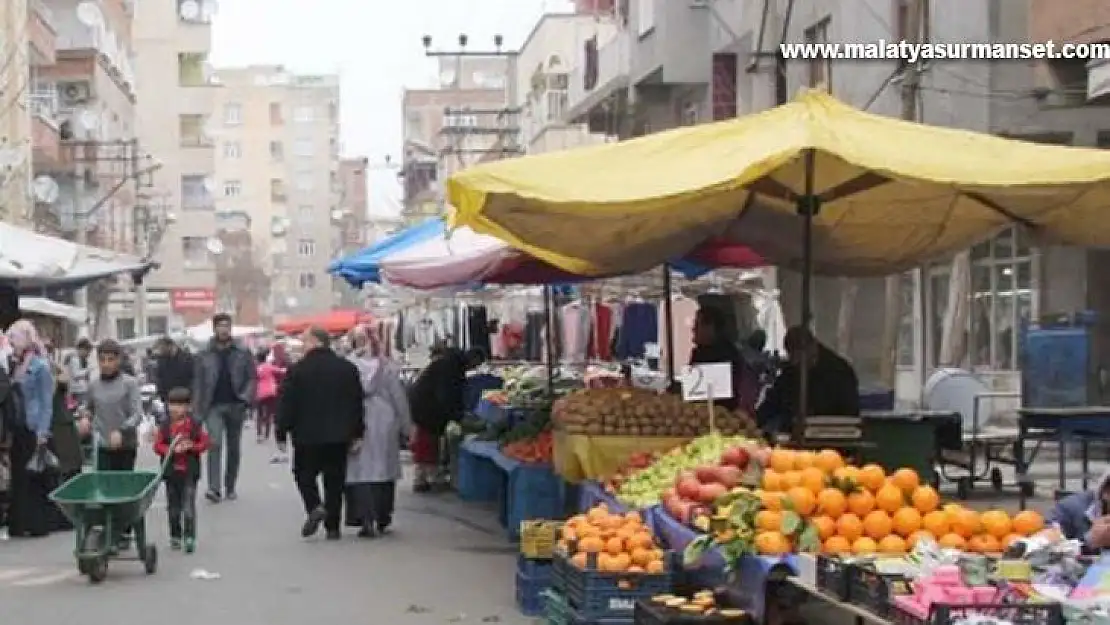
75, 93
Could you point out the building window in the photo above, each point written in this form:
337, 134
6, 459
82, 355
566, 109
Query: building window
306, 247
195, 194
414, 125
820, 69
125, 329
277, 190
304, 114
305, 183
158, 325
233, 188
303, 148
305, 215
191, 131
277, 151
458, 120
307, 280
233, 114
277, 114
556, 103
233, 149
333, 113
194, 251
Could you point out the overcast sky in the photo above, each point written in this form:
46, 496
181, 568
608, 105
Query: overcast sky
376, 49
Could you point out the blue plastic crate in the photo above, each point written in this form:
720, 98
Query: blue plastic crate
597, 596
534, 568
479, 480
557, 611
534, 492
529, 591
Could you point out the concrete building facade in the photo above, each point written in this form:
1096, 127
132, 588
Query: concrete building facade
354, 215
277, 161
175, 105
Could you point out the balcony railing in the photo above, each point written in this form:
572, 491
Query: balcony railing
614, 66
193, 71
45, 105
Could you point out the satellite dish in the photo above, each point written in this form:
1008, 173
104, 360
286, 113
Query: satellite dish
88, 13
209, 185
215, 246
88, 120
337, 215
291, 302
447, 78
189, 9
44, 189
171, 218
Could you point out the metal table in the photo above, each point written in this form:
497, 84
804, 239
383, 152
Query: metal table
1084, 423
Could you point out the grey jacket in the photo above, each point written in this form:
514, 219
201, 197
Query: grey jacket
116, 405
207, 369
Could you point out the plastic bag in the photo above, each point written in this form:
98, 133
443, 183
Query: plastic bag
42, 461
147, 429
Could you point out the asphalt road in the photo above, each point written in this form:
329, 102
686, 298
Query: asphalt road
445, 563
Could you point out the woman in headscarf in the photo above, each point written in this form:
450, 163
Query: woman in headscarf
375, 467
30, 512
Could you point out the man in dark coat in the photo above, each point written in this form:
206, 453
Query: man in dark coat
438, 398
174, 368
321, 408
833, 387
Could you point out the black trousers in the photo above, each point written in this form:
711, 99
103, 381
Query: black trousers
371, 503
329, 461
181, 505
29, 509
117, 460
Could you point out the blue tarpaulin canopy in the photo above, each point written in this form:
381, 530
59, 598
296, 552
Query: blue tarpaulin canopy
365, 265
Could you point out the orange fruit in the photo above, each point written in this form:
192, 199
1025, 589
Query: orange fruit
828, 460
893, 545
614, 545
633, 518
814, 479
620, 562
838, 545
1027, 522
791, 479
877, 524
996, 523
849, 473
772, 481
803, 500
952, 541
771, 500
936, 522
832, 502
580, 560
591, 544
890, 499
911, 542
654, 567
966, 523
925, 499
906, 479
782, 460
804, 459
864, 546
872, 477
849, 526
642, 539
768, 520
641, 557
984, 543
771, 543
860, 503
952, 509
1010, 539
598, 512
906, 521
825, 526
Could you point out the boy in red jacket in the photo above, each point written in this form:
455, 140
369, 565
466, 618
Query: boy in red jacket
183, 472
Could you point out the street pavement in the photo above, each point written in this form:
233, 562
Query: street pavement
447, 562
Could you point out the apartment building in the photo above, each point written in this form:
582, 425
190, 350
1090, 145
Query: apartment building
353, 221
277, 161
172, 42
466, 119
26, 42
668, 64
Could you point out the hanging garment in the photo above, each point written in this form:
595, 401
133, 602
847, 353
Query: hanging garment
683, 312
576, 332
477, 329
601, 333
533, 336
639, 326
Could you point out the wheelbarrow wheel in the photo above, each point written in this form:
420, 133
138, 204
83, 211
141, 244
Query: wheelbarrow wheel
150, 559
97, 569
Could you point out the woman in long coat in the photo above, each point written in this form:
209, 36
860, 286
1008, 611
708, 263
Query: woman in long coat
373, 470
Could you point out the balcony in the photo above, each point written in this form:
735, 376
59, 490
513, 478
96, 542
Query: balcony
193, 70
588, 89
671, 45
41, 35
194, 19
192, 133
77, 41
45, 140
278, 193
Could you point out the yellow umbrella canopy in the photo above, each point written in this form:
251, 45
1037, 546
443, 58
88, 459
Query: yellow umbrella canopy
893, 194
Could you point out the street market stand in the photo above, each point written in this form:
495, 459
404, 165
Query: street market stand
1061, 425
522, 491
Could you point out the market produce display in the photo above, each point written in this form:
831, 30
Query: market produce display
641, 412
538, 449
527, 386
704, 603
647, 486
528, 441
605, 541
635, 463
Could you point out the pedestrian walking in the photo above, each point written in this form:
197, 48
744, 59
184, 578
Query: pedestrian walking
174, 368
81, 368
183, 473
266, 402
223, 388
320, 407
374, 468
437, 398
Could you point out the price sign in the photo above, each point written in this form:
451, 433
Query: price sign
706, 382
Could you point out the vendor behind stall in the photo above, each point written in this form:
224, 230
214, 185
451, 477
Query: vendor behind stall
712, 345
833, 386
1085, 516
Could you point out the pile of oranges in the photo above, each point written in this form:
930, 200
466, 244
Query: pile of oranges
610, 542
862, 510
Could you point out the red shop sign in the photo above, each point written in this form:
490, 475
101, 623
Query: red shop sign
193, 300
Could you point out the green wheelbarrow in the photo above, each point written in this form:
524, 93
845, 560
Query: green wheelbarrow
102, 505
